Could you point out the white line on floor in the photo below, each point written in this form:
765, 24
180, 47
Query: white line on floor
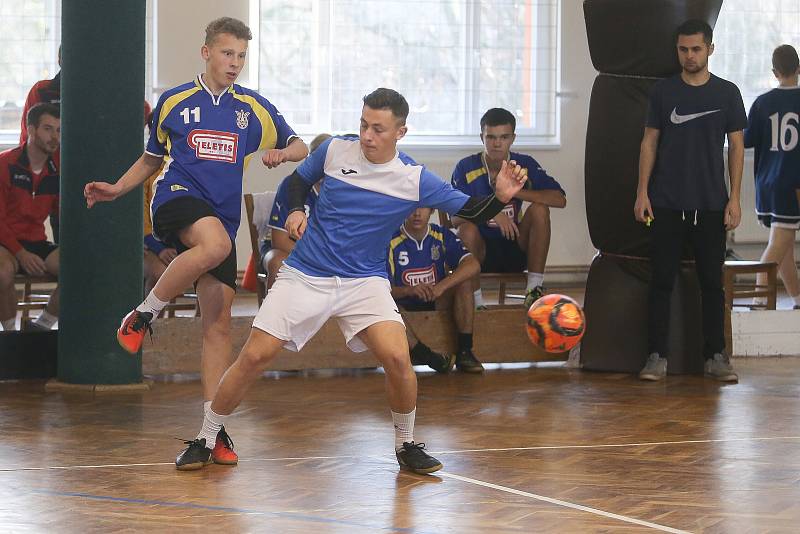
508, 449
559, 502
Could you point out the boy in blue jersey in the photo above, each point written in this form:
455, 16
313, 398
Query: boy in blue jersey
282, 245
338, 268
205, 131
421, 256
510, 242
682, 192
772, 129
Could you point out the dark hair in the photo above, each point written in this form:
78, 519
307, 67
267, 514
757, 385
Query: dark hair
228, 25
383, 98
318, 140
498, 117
785, 60
693, 26
36, 112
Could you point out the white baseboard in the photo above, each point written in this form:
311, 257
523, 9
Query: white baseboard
766, 333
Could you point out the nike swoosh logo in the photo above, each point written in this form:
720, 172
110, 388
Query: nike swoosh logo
349, 171
680, 119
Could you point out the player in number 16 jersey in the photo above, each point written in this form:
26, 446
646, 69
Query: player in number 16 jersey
774, 131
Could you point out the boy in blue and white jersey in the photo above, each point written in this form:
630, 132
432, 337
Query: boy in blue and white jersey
204, 131
338, 268
772, 129
282, 245
510, 242
421, 256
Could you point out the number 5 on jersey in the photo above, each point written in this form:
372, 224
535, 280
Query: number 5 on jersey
194, 112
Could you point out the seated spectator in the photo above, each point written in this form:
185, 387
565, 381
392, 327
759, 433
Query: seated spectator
510, 242
42, 92
157, 255
420, 257
273, 254
29, 193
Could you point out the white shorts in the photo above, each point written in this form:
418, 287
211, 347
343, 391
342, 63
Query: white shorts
297, 306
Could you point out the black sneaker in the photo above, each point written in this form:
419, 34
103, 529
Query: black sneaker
468, 363
195, 456
533, 295
442, 363
412, 457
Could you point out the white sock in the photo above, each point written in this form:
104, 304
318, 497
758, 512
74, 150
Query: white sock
206, 406
9, 324
45, 319
795, 298
478, 297
212, 422
534, 280
152, 304
403, 428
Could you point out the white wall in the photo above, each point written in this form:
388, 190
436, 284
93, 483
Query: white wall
570, 244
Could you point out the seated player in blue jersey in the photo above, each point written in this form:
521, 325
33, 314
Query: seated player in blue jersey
421, 256
338, 268
206, 130
772, 129
282, 245
511, 242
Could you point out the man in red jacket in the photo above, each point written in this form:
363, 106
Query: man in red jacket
29, 182
42, 92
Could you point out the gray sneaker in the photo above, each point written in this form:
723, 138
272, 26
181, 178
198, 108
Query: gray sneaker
654, 369
719, 368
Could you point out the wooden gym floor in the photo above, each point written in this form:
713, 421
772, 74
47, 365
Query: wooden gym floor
526, 449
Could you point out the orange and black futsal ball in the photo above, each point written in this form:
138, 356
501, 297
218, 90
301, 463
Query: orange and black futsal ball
555, 323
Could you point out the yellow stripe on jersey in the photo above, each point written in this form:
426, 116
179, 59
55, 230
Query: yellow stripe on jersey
169, 104
393, 244
474, 175
269, 134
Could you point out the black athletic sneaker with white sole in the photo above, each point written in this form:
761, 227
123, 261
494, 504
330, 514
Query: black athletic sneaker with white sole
412, 457
195, 456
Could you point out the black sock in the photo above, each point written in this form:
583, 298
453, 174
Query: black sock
421, 354
464, 342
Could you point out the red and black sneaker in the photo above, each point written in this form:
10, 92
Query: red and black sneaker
223, 449
131, 332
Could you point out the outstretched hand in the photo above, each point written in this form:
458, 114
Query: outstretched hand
509, 180
100, 192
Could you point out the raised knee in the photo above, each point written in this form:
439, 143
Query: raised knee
216, 252
539, 212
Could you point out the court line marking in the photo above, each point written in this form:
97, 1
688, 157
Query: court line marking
565, 504
217, 508
508, 449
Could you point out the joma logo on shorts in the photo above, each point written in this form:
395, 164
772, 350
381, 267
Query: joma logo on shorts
213, 145
424, 275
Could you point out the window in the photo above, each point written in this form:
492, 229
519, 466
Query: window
28, 53
743, 47
451, 59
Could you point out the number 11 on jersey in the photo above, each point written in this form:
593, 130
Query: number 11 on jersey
195, 114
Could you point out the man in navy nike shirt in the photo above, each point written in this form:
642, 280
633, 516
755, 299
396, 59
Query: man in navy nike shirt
682, 192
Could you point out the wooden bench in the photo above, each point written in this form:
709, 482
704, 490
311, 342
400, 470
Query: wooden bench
747, 290
499, 338
27, 299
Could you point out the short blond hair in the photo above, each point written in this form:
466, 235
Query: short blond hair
228, 25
